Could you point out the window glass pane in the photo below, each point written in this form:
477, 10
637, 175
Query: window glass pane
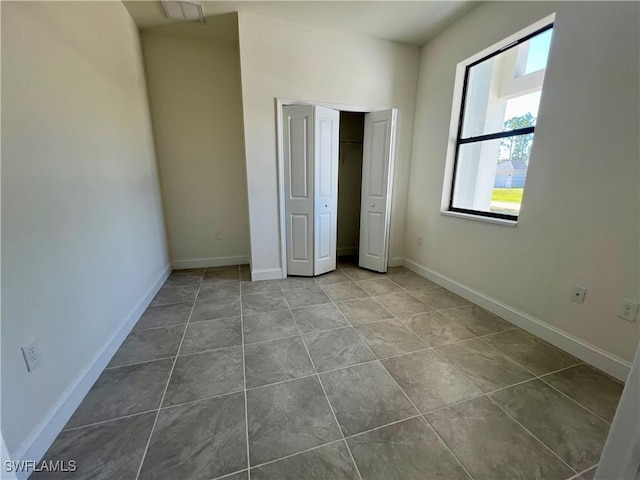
538, 52
490, 175
498, 89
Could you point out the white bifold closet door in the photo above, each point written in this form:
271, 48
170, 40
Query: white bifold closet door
310, 141
377, 180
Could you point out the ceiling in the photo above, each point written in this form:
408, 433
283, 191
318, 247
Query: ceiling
412, 22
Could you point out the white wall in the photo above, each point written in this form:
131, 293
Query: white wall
579, 221
290, 60
349, 182
83, 240
193, 77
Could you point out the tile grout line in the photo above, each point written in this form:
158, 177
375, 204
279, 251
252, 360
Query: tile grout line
244, 379
487, 396
297, 453
540, 377
407, 397
573, 399
166, 387
531, 433
102, 422
335, 418
577, 476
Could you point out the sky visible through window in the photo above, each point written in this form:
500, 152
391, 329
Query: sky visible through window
538, 52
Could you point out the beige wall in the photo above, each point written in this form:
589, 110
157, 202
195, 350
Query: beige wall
193, 77
83, 239
283, 59
580, 215
349, 182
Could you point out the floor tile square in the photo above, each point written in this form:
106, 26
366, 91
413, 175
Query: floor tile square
214, 308
574, 434
380, 286
477, 321
181, 278
439, 298
146, 345
429, 381
204, 439
318, 317
389, 337
414, 282
532, 353
268, 326
290, 283
123, 391
363, 310
398, 271
590, 388
101, 452
222, 275
276, 361
212, 291
287, 418
481, 364
212, 334
337, 348
263, 302
435, 329
332, 277
491, 445
206, 374
403, 304
340, 292
404, 450
324, 463
357, 274
164, 316
305, 297
364, 397
168, 295
264, 286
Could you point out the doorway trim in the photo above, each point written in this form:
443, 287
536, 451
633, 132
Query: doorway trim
282, 101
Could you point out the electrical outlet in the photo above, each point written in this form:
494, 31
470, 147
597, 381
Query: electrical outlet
31, 355
578, 294
218, 235
419, 240
628, 310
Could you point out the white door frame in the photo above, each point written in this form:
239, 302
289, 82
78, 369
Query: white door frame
280, 102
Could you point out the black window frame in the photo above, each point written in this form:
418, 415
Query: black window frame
489, 136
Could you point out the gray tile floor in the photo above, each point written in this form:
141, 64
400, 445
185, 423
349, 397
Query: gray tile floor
349, 375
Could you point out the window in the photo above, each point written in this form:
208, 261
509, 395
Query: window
500, 95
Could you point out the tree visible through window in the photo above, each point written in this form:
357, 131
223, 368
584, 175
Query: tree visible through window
500, 98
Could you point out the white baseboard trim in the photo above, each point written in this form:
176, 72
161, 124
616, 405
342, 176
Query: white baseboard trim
599, 358
209, 262
396, 262
37, 444
266, 274
344, 251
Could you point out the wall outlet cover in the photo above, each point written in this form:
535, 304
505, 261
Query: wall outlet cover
578, 294
628, 310
31, 354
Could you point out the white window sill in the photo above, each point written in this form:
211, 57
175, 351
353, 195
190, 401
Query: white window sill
478, 218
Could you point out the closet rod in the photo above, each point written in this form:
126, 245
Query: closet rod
351, 142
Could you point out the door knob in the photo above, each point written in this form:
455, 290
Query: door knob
373, 204
325, 205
